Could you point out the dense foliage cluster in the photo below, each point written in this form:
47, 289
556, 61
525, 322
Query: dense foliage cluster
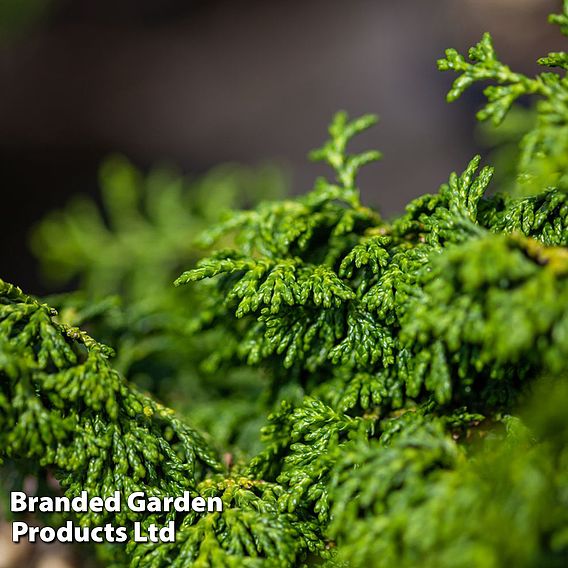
410, 373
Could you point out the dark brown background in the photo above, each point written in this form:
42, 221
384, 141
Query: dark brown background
195, 83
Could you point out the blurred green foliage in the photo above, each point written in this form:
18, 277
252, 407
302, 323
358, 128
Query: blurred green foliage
18, 16
125, 254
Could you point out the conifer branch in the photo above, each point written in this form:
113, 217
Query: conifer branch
388, 361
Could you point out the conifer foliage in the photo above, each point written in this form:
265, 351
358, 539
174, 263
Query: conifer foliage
411, 372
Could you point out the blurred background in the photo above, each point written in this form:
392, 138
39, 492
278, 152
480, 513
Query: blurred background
194, 83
